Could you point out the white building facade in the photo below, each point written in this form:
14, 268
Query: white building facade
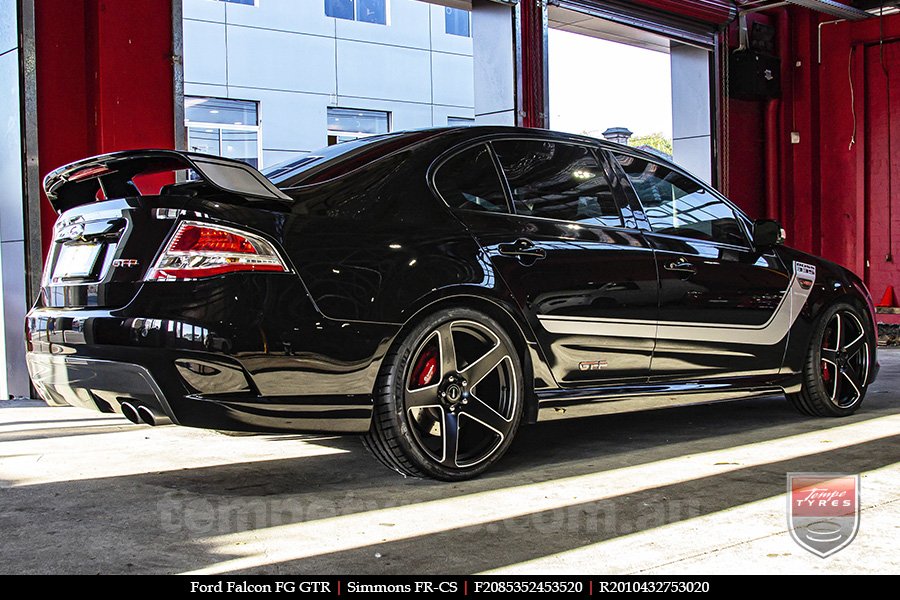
268, 80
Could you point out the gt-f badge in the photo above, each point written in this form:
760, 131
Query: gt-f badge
126, 262
592, 365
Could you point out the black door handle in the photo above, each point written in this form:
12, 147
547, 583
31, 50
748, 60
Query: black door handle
682, 266
523, 249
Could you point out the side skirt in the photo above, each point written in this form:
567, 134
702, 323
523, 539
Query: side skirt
570, 403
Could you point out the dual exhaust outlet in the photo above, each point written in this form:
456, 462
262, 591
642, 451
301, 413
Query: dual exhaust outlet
144, 415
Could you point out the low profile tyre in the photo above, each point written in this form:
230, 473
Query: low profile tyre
449, 397
838, 365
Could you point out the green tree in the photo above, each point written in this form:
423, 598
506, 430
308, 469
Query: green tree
654, 140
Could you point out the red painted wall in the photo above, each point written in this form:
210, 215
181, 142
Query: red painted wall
833, 193
710, 11
104, 81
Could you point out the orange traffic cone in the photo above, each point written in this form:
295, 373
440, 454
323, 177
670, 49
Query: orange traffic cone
889, 299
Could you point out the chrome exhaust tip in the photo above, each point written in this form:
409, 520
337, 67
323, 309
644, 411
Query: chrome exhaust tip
151, 417
131, 413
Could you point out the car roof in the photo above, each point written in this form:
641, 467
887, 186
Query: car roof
478, 131
334, 161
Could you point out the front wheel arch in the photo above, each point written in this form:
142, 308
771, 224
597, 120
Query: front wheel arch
812, 398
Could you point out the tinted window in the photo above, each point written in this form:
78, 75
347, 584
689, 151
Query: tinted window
371, 11
470, 180
678, 205
340, 9
456, 21
557, 181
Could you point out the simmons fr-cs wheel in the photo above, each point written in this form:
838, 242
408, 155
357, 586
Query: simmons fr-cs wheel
449, 397
838, 364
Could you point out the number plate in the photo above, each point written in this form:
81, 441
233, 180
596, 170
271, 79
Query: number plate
76, 261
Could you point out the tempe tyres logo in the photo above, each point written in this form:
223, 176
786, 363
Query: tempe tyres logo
823, 510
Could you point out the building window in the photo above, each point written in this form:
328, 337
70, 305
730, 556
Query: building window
244, 2
460, 121
228, 128
346, 124
457, 22
366, 11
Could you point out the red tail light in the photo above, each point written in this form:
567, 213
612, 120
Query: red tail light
200, 250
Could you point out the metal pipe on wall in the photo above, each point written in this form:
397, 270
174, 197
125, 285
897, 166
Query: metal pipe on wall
773, 184
773, 131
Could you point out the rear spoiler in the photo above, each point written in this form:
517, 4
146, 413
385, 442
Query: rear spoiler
79, 182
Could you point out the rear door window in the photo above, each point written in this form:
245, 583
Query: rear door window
470, 180
559, 181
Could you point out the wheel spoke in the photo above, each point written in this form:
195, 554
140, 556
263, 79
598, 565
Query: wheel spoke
450, 435
427, 396
836, 388
852, 376
839, 332
829, 356
477, 410
448, 349
853, 347
482, 367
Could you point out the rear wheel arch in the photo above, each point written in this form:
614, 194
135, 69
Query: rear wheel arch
513, 323
414, 415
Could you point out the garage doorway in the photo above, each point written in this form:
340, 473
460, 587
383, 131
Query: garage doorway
614, 78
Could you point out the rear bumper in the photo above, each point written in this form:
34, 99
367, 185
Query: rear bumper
95, 384
279, 367
107, 385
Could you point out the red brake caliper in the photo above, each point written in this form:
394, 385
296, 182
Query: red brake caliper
426, 368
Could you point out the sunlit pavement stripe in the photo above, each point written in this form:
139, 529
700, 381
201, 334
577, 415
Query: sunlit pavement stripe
107, 423
751, 538
302, 540
108, 454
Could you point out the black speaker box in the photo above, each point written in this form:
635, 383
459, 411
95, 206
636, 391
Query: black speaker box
754, 76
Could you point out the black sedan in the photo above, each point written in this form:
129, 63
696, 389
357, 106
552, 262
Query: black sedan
431, 290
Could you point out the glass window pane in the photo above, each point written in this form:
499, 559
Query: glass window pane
456, 21
203, 140
367, 122
558, 181
242, 145
245, 2
371, 11
339, 9
677, 205
460, 122
470, 180
220, 110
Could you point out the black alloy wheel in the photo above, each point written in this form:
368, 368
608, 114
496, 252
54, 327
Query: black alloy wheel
450, 398
838, 366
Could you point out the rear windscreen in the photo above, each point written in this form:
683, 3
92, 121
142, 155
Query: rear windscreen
340, 159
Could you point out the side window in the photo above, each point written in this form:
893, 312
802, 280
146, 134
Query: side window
678, 205
558, 181
470, 180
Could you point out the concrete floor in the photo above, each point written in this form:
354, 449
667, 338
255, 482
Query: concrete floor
685, 490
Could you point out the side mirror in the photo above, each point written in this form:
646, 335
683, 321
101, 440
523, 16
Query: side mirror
767, 234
